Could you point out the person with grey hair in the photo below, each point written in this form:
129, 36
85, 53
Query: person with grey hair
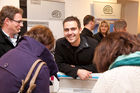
10, 25
120, 25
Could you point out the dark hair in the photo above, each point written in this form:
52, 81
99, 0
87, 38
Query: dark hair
87, 19
120, 24
42, 34
114, 45
72, 18
9, 11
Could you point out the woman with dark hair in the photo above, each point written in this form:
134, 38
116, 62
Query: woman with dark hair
15, 64
118, 56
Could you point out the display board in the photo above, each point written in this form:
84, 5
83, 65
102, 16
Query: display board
106, 10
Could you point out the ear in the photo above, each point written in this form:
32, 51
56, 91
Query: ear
91, 22
6, 21
80, 29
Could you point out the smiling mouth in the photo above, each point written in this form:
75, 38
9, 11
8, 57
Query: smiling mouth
104, 30
19, 30
70, 37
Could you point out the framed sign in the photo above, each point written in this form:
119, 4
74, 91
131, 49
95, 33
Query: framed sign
106, 10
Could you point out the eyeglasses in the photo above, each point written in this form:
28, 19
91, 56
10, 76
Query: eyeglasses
19, 22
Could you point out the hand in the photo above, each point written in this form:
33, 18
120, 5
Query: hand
84, 74
72, 65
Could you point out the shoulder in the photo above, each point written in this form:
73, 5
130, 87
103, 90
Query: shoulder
118, 72
1, 34
97, 34
125, 76
119, 79
91, 42
105, 82
90, 39
60, 40
85, 31
3, 38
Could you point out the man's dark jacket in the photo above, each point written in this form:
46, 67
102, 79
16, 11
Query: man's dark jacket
5, 44
87, 32
98, 37
81, 58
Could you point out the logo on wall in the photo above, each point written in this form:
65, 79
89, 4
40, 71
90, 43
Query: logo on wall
56, 14
108, 9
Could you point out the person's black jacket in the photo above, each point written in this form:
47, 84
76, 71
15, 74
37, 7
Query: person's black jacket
5, 44
81, 58
98, 36
87, 32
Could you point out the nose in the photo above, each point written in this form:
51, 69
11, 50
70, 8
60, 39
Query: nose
70, 31
21, 24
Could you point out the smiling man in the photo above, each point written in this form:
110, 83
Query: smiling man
74, 53
10, 25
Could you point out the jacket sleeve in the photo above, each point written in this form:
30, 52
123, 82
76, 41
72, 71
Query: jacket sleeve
90, 67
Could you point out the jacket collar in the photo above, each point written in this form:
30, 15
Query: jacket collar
4, 39
83, 43
88, 32
30, 45
132, 59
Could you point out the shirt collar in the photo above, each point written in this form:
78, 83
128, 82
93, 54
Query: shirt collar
15, 36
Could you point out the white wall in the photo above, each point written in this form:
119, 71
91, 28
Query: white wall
42, 12
131, 16
78, 8
9, 2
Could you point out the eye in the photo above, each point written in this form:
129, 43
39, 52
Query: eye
18, 21
73, 29
106, 26
66, 29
